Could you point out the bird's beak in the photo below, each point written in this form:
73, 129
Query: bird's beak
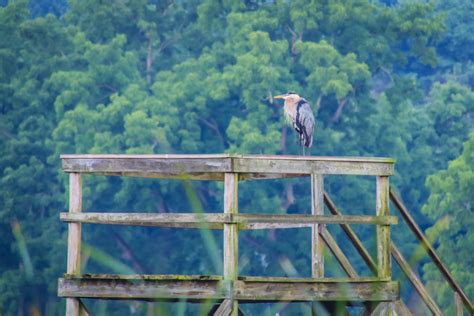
280, 96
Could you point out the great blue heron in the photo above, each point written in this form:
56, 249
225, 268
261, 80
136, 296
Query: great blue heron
298, 113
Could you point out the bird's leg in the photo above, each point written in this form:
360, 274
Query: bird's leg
303, 151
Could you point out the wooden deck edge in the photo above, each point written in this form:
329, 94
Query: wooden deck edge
221, 156
196, 277
212, 167
245, 291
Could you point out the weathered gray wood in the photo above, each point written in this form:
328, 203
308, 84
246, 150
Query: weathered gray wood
274, 291
74, 232
204, 176
150, 277
74, 238
383, 231
430, 250
257, 279
260, 221
315, 158
337, 252
193, 290
223, 156
317, 209
250, 291
352, 236
205, 166
183, 220
231, 239
149, 166
268, 176
230, 230
458, 304
415, 281
73, 307
149, 156
225, 308
276, 165
231, 168
216, 221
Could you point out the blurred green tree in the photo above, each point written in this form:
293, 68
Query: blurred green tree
450, 206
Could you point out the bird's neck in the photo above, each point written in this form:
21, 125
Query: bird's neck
290, 111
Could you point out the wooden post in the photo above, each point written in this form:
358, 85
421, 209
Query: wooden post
73, 305
458, 304
317, 208
231, 233
383, 231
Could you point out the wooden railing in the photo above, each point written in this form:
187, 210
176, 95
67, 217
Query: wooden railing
230, 288
461, 298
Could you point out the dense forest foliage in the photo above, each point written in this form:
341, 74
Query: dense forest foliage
385, 78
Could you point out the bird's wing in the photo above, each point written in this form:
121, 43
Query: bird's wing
305, 121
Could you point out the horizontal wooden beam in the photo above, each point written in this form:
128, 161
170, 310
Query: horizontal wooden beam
212, 167
220, 156
269, 176
248, 290
144, 289
256, 279
149, 166
266, 221
329, 291
177, 220
274, 165
135, 277
216, 221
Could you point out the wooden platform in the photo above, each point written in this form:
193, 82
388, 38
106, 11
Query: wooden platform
213, 167
230, 289
245, 289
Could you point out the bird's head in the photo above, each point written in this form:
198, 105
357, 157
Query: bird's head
290, 97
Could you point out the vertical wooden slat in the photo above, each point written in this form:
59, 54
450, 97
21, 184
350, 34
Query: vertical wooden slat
458, 303
231, 232
383, 231
73, 305
317, 208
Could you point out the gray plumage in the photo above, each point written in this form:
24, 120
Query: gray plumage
304, 123
299, 114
